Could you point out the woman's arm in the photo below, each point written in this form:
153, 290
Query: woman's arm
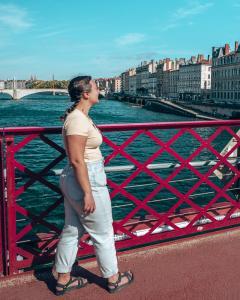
76, 147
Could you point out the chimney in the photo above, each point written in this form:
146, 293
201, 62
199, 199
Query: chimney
193, 59
227, 49
200, 58
213, 51
168, 63
236, 46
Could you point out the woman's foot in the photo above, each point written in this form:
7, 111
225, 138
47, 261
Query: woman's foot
66, 283
119, 281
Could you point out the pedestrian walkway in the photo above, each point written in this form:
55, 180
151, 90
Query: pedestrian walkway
206, 267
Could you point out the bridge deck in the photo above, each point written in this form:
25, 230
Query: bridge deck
203, 267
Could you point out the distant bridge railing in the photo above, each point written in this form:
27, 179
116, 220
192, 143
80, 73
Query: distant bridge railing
166, 180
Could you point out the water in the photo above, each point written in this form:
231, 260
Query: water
45, 111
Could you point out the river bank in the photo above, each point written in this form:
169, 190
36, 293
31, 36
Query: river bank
213, 110
166, 107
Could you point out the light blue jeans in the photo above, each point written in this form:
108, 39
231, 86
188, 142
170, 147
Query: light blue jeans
98, 224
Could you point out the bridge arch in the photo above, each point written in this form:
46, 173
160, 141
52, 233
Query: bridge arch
6, 92
27, 92
18, 94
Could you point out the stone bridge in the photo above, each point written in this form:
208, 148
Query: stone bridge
17, 94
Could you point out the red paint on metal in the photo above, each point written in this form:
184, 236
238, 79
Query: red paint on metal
128, 225
3, 233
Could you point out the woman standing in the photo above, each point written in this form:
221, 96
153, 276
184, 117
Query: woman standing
86, 197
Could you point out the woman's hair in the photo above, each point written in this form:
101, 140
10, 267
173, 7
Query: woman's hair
76, 87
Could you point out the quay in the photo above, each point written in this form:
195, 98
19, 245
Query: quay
225, 111
206, 111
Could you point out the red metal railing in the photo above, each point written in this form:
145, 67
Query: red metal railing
3, 253
132, 231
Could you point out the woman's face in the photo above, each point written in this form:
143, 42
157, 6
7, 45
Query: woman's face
93, 95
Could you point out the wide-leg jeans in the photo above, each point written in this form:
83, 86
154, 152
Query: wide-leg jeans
98, 224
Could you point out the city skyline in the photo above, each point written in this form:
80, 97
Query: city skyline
104, 40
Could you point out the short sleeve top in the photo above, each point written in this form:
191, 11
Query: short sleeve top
77, 123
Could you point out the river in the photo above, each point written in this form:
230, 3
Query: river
45, 111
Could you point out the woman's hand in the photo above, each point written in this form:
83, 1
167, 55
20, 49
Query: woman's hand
88, 204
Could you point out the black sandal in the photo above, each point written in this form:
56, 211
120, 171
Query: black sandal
66, 287
116, 285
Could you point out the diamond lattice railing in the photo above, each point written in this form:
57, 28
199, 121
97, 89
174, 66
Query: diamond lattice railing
3, 244
27, 256
149, 219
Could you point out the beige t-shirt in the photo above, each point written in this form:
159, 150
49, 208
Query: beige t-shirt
77, 123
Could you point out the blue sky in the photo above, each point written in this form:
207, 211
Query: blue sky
104, 38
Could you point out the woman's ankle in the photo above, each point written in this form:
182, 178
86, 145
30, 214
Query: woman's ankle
113, 278
63, 276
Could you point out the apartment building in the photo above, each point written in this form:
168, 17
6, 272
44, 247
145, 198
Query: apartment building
194, 81
226, 74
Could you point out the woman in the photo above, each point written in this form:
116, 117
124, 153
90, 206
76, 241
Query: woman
86, 196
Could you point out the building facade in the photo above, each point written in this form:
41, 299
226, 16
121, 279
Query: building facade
125, 82
132, 81
117, 85
15, 84
167, 77
152, 84
162, 77
195, 79
143, 77
173, 84
226, 74
2, 84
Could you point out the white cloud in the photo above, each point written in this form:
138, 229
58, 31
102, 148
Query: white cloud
182, 13
52, 33
130, 38
195, 8
169, 26
14, 17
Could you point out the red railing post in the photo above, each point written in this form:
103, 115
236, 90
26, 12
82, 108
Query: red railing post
238, 181
11, 204
3, 227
